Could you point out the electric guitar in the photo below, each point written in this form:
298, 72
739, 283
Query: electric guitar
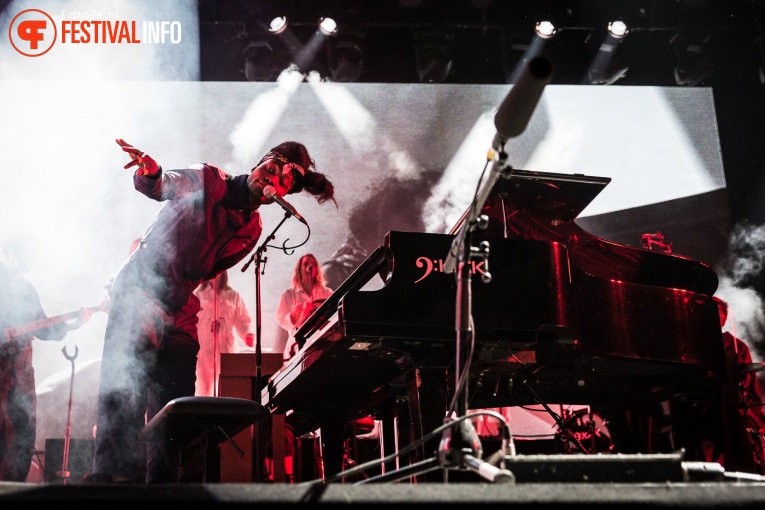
36, 326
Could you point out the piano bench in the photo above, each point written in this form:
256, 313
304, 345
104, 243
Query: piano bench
197, 424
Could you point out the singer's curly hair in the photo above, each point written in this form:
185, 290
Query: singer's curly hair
313, 182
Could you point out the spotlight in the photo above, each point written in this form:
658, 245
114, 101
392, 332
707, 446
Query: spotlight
693, 63
433, 56
346, 59
618, 29
278, 25
259, 61
607, 71
328, 26
545, 29
607, 67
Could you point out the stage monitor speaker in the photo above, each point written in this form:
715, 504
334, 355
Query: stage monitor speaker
603, 468
80, 459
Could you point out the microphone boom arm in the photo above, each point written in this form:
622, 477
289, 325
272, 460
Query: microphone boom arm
499, 167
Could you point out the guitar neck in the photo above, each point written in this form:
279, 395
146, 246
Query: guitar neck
34, 327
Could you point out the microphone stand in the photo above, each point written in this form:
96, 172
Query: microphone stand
259, 443
215, 329
459, 443
65, 473
460, 446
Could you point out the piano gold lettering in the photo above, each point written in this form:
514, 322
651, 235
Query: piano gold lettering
437, 265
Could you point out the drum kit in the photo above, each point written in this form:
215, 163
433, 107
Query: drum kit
579, 429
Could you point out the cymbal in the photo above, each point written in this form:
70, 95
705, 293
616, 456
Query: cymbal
747, 368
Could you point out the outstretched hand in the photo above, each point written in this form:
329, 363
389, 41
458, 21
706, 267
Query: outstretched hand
146, 164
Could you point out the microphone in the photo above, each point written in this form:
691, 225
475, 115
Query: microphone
514, 113
270, 192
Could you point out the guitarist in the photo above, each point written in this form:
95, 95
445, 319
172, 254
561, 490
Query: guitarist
20, 304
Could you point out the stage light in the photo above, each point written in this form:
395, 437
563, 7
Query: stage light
606, 70
515, 55
346, 58
278, 25
259, 61
693, 64
328, 26
607, 67
433, 55
545, 29
618, 29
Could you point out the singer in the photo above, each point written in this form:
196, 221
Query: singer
270, 192
308, 290
209, 221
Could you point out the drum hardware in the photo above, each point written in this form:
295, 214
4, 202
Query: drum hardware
584, 427
562, 424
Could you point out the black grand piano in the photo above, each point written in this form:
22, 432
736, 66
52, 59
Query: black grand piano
566, 318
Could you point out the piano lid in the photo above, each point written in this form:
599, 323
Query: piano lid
549, 197
543, 207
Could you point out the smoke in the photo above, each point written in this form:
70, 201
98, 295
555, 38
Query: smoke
63, 182
743, 264
444, 208
248, 137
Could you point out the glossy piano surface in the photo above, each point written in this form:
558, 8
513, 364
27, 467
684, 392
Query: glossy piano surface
567, 316
333, 376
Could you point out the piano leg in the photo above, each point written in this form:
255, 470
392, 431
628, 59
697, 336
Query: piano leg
388, 442
332, 446
413, 416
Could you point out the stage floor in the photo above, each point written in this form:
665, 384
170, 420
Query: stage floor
571, 481
732, 494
